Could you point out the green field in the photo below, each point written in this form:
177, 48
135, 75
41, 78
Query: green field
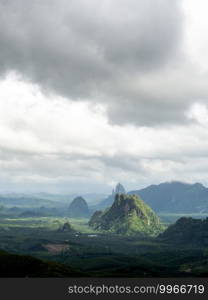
51, 223
98, 254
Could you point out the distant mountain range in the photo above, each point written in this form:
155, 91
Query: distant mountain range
167, 197
175, 197
91, 198
25, 200
170, 197
46, 199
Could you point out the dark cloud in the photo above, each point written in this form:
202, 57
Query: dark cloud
94, 50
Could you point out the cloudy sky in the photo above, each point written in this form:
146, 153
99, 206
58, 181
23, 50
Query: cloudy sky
96, 92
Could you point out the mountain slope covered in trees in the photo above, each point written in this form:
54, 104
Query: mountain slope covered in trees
128, 215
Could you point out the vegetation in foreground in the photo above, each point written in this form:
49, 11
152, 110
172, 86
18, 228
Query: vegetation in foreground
13, 265
57, 252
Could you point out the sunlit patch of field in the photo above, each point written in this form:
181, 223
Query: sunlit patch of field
51, 223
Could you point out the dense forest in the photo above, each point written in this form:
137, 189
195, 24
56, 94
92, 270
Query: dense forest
126, 239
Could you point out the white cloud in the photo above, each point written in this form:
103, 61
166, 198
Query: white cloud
86, 117
196, 39
47, 141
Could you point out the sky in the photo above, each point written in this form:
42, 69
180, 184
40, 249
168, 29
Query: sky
93, 93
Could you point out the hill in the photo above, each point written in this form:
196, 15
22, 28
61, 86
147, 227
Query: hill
128, 215
78, 208
187, 231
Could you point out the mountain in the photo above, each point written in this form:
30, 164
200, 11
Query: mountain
170, 197
128, 215
119, 189
78, 208
175, 197
95, 219
187, 231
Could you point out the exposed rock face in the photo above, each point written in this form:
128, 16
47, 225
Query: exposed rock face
78, 208
119, 189
128, 215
